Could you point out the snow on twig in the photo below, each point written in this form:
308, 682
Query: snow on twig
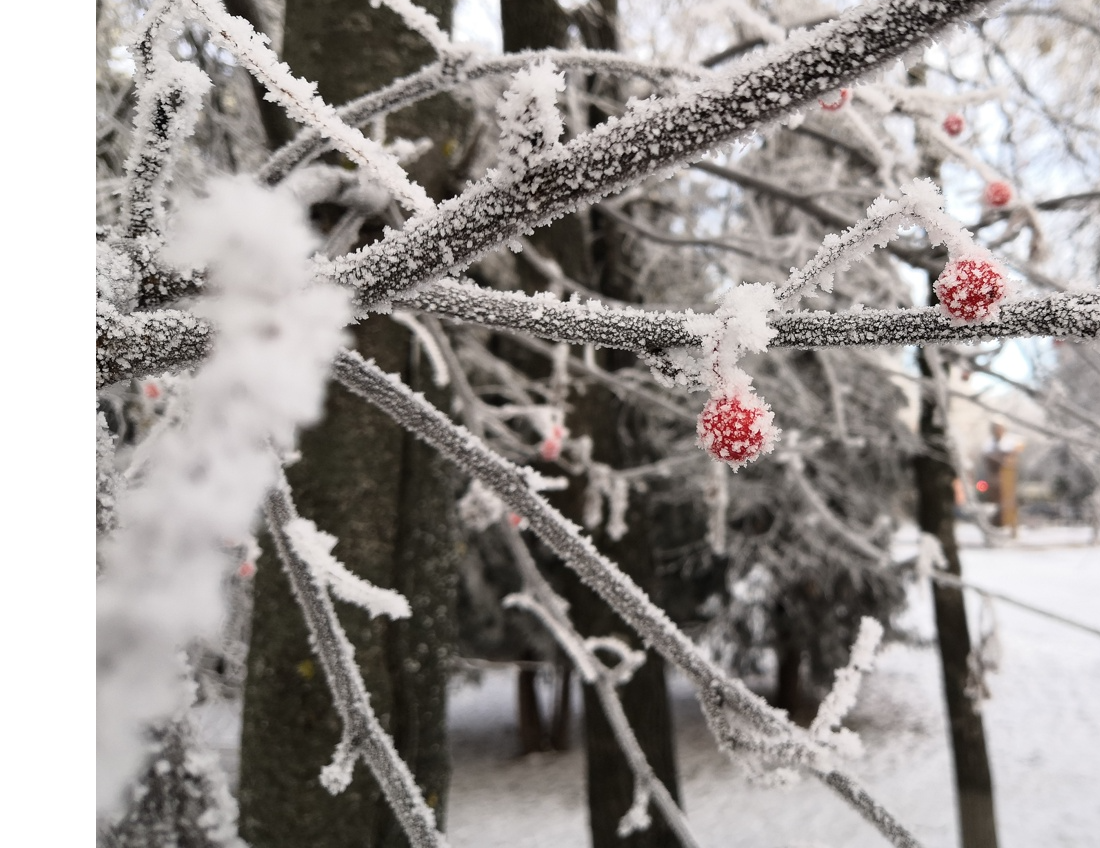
363, 735
302, 103
420, 21
920, 202
551, 610
144, 343
453, 71
952, 580
169, 100
842, 697
314, 547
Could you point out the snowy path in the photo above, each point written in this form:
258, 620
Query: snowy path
1042, 724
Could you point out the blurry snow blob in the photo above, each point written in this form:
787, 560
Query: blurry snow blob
970, 289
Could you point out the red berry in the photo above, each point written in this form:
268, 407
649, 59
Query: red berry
832, 106
151, 390
953, 124
736, 428
514, 520
970, 289
998, 193
246, 570
550, 449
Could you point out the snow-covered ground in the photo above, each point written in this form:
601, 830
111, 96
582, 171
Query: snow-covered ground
1043, 727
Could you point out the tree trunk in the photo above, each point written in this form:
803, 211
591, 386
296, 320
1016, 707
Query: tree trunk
563, 708
597, 413
384, 495
532, 733
935, 501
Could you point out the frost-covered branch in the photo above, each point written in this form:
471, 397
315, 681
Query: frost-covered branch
363, 735
842, 697
540, 600
170, 95
761, 728
654, 136
514, 486
141, 344
1073, 315
811, 496
951, 580
449, 73
144, 343
302, 103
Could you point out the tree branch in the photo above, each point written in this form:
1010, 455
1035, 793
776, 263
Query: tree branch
450, 73
655, 136
768, 733
144, 343
363, 735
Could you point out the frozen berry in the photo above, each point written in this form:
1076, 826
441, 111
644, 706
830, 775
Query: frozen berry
970, 289
953, 124
246, 569
550, 449
833, 105
151, 390
736, 428
998, 193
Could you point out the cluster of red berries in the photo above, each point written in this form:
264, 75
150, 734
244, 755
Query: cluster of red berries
970, 289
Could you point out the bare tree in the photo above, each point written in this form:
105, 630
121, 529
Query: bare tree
244, 367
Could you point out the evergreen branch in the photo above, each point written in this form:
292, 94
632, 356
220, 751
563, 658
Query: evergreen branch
363, 734
776, 738
654, 136
182, 799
